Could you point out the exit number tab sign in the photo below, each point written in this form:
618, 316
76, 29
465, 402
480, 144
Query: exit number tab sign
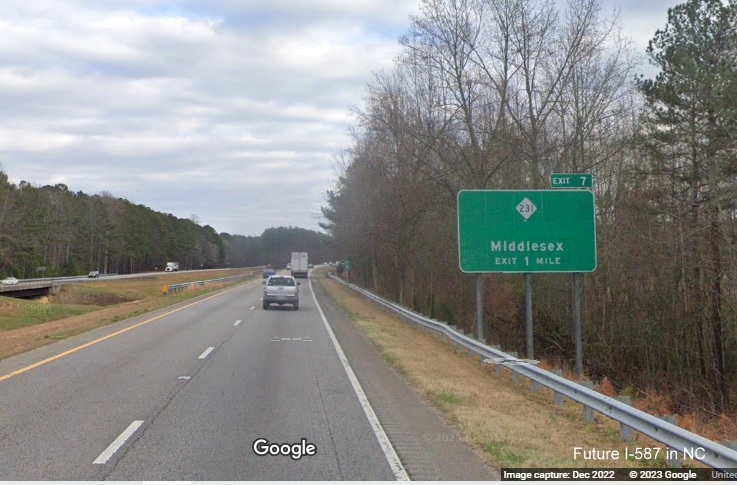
572, 181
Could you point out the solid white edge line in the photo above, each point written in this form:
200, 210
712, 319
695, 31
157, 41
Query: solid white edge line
389, 452
207, 352
115, 445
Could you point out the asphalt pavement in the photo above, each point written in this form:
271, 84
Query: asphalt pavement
217, 388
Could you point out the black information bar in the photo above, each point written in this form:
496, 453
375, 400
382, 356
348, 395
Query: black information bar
616, 474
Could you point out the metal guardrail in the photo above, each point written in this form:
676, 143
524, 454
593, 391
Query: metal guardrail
201, 284
147, 274
50, 280
24, 283
676, 438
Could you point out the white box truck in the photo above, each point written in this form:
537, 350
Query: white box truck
172, 266
299, 265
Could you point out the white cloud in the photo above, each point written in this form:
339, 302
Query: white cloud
227, 109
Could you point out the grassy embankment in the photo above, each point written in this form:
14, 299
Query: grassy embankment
507, 424
83, 306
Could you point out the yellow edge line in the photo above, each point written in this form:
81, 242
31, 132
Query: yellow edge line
101, 339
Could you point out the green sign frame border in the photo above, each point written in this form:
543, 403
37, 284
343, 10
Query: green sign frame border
561, 190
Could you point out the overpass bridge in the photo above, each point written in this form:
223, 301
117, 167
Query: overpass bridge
26, 289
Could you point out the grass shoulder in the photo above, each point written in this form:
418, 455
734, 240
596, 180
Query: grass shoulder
80, 307
507, 424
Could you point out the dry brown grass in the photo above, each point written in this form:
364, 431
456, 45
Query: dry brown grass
105, 302
506, 423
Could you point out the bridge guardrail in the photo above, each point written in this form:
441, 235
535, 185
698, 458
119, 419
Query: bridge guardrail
177, 287
712, 454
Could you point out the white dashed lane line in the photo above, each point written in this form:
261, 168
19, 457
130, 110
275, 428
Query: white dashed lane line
118, 443
206, 352
238, 322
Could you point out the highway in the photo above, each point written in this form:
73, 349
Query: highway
111, 276
184, 392
40, 286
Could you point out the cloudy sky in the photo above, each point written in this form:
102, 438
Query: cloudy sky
232, 110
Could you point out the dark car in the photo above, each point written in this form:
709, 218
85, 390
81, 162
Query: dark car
268, 272
94, 274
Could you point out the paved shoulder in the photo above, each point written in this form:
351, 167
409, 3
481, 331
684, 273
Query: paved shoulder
414, 428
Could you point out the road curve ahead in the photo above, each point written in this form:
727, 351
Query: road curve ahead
210, 390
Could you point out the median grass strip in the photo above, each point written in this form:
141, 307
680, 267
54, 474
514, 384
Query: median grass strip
16, 313
79, 307
507, 424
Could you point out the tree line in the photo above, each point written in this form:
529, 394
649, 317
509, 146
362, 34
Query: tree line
52, 231
499, 94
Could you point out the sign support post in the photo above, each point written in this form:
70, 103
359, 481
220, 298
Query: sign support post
528, 312
480, 307
578, 333
573, 181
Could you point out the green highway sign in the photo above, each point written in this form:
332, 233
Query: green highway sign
572, 181
526, 231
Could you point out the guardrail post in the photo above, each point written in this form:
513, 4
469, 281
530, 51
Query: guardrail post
732, 445
515, 374
671, 455
625, 431
588, 413
469, 335
455, 328
534, 385
559, 400
497, 367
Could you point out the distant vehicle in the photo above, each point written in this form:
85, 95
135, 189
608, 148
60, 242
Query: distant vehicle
289, 265
94, 274
173, 266
299, 265
269, 272
281, 289
10, 280
310, 266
